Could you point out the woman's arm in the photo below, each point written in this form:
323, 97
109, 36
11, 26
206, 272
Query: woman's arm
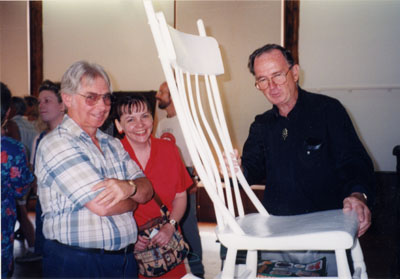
178, 206
178, 210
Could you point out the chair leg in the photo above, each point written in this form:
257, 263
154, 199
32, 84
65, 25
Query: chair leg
251, 263
342, 264
228, 272
358, 260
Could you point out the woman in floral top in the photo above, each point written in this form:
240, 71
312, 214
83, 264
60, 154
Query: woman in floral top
15, 180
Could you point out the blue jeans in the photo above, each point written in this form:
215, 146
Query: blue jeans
39, 237
62, 261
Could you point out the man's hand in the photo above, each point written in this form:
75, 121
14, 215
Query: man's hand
114, 192
237, 162
358, 203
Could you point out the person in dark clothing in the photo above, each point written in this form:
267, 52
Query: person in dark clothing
316, 161
305, 149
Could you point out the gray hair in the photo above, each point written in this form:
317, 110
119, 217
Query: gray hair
72, 78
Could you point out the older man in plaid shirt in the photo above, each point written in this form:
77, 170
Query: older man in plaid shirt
88, 185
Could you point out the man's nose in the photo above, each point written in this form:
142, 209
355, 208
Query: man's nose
102, 103
271, 84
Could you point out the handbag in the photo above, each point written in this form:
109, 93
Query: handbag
155, 261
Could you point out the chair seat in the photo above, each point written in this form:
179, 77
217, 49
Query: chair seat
325, 230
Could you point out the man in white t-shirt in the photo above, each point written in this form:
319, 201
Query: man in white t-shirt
169, 128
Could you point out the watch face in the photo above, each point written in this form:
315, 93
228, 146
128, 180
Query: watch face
173, 223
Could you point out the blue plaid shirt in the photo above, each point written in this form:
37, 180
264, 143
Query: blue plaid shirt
68, 165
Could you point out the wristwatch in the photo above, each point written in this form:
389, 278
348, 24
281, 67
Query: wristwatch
173, 223
132, 183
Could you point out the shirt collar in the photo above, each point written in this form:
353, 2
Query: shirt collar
70, 124
17, 116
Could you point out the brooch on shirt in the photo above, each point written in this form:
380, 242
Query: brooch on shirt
285, 133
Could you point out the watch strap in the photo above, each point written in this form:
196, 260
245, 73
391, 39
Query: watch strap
133, 184
174, 223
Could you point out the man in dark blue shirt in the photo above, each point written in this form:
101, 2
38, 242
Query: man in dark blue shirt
305, 148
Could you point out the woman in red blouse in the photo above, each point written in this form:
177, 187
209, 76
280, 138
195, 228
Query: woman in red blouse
161, 162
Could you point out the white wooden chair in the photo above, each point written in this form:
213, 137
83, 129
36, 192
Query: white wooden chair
190, 64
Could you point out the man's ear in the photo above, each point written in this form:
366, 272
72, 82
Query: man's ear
67, 99
64, 107
118, 126
295, 72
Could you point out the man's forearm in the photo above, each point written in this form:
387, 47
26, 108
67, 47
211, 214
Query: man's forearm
127, 205
144, 191
121, 207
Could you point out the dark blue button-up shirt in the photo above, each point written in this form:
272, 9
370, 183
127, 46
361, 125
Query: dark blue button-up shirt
310, 160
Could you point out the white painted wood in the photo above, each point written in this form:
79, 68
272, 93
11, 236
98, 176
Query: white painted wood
190, 64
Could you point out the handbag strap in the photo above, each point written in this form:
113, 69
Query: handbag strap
157, 199
163, 208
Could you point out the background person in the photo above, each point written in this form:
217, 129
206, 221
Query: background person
32, 108
25, 132
88, 185
15, 183
32, 113
160, 161
169, 128
52, 110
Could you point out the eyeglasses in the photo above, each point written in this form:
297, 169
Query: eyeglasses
92, 98
263, 82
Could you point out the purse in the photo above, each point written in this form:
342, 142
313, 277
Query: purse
155, 261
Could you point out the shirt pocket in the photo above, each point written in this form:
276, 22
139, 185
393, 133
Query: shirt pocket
115, 168
311, 152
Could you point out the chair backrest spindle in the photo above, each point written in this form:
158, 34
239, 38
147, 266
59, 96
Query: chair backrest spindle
190, 64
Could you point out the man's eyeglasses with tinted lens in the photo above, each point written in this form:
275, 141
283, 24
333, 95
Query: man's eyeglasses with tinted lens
263, 82
92, 98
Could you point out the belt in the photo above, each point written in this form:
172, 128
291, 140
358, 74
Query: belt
126, 250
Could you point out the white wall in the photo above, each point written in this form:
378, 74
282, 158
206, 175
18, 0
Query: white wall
14, 66
349, 50
114, 34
